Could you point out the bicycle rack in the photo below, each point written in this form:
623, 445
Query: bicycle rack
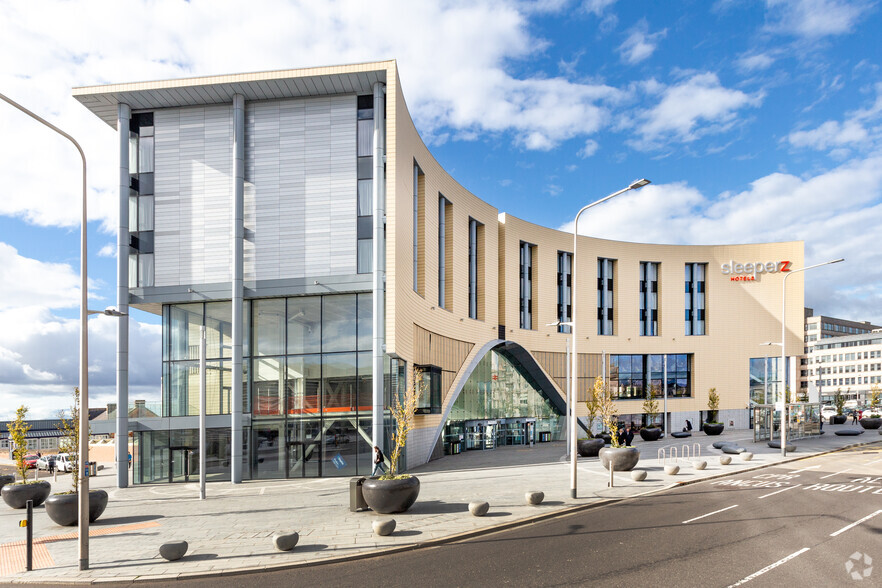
661, 456
685, 451
696, 450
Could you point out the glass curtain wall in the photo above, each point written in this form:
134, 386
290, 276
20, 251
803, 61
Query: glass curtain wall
632, 375
765, 379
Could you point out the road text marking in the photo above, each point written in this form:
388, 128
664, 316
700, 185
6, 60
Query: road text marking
780, 491
806, 469
855, 524
710, 513
771, 567
836, 474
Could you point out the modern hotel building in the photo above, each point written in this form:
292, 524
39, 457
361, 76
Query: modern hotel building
298, 217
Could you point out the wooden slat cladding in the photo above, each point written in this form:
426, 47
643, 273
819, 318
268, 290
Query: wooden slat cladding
554, 364
434, 349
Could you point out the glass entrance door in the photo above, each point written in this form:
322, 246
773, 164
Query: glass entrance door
183, 463
304, 448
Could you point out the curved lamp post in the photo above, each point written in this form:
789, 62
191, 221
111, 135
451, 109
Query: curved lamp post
83, 528
784, 422
575, 365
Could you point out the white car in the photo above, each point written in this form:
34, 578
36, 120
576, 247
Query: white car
63, 462
828, 411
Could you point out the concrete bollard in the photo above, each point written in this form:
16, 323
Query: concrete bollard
383, 526
746, 456
699, 464
672, 469
534, 497
638, 475
174, 550
479, 507
725, 460
285, 541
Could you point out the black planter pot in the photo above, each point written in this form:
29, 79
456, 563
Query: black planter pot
871, 423
6, 480
63, 508
17, 495
713, 428
652, 434
605, 436
590, 447
390, 496
623, 458
838, 419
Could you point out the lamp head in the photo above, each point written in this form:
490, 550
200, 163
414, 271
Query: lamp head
639, 184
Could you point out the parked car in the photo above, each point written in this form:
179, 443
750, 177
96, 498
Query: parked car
828, 411
30, 461
43, 462
64, 462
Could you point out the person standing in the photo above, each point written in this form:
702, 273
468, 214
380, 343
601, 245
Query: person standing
378, 462
629, 436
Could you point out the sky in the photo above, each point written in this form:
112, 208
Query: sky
756, 120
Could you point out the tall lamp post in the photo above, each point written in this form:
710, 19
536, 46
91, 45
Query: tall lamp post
83, 480
784, 422
575, 364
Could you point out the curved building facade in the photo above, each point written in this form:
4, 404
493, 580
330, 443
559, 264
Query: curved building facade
298, 218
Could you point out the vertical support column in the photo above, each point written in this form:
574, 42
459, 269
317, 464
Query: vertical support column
124, 115
237, 295
379, 277
202, 433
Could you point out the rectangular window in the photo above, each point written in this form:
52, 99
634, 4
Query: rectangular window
648, 298
419, 186
365, 185
564, 290
695, 304
528, 256
430, 399
445, 249
605, 293
476, 269
141, 158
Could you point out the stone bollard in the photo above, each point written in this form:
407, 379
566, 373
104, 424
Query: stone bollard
672, 469
638, 475
383, 526
725, 460
534, 497
746, 456
285, 541
699, 464
174, 550
479, 507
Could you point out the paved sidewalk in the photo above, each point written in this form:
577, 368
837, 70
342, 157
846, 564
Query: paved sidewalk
231, 531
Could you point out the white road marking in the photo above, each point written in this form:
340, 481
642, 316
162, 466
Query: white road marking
780, 491
836, 474
710, 513
771, 567
855, 524
872, 462
806, 469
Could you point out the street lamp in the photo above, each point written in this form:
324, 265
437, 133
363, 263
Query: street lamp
571, 403
83, 480
784, 422
573, 450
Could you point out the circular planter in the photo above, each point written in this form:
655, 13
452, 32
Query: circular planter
390, 496
63, 508
6, 480
651, 434
590, 447
838, 419
623, 458
605, 436
17, 495
713, 428
871, 423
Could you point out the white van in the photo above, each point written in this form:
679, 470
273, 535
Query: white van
63, 462
850, 404
828, 410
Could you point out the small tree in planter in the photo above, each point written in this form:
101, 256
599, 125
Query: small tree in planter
712, 426
839, 403
393, 492
620, 458
591, 446
17, 495
63, 507
650, 407
872, 421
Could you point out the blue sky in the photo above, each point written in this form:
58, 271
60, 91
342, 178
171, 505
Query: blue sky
755, 120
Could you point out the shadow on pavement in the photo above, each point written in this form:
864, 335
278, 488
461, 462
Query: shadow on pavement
437, 507
125, 520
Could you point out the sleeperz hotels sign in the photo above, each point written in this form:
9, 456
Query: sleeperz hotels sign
747, 272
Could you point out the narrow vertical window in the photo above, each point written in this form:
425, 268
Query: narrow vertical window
141, 160
365, 184
564, 290
695, 304
648, 298
442, 254
474, 227
418, 190
605, 291
527, 307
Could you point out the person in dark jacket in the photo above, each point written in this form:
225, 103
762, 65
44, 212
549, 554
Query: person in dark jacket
629, 435
378, 462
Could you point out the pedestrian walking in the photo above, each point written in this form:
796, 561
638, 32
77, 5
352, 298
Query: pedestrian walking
629, 436
854, 417
378, 462
51, 465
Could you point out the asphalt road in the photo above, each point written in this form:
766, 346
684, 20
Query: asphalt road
796, 525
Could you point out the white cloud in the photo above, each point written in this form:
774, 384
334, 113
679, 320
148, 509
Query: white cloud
640, 44
857, 131
815, 18
837, 213
108, 250
690, 109
26, 282
754, 62
589, 149
597, 7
